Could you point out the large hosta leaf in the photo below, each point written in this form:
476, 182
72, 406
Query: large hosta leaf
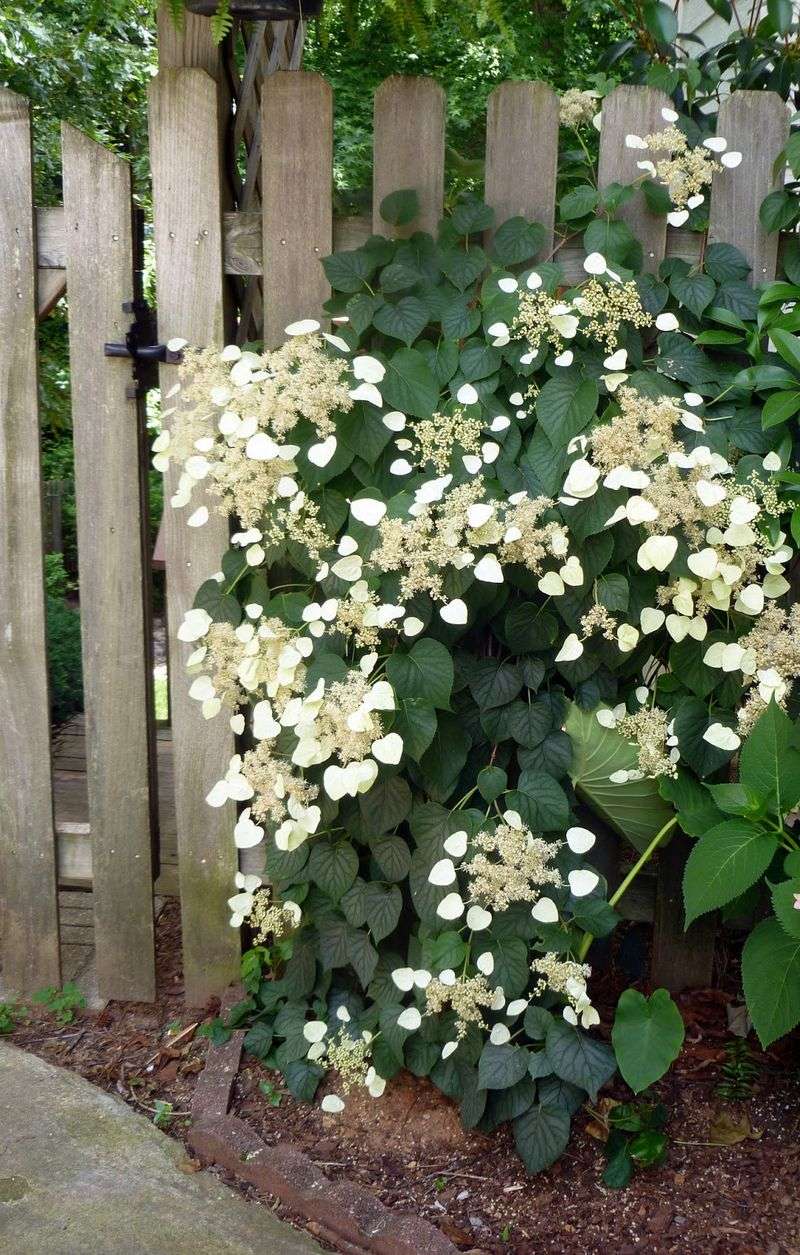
634, 810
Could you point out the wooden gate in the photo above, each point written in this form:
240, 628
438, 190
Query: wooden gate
207, 256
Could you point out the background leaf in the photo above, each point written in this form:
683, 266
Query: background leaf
634, 810
647, 1036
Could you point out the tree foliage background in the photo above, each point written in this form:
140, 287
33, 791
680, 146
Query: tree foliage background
88, 62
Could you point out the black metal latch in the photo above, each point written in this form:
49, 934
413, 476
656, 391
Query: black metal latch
140, 345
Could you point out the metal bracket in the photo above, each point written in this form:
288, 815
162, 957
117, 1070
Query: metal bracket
140, 345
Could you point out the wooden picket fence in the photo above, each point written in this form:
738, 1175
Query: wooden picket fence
201, 247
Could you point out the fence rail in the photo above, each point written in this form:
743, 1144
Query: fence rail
89, 246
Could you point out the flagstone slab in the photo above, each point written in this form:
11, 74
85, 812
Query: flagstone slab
83, 1174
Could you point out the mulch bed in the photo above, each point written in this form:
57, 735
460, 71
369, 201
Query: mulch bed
409, 1150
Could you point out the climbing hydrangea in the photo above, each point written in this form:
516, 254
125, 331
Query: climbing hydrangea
491, 518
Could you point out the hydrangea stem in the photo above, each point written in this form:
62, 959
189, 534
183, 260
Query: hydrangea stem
643, 859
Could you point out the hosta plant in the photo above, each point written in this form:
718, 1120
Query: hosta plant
486, 519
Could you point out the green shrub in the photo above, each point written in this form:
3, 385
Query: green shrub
63, 647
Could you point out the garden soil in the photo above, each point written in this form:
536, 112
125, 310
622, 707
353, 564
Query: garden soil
729, 1184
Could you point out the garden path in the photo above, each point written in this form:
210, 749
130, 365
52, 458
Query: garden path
82, 1174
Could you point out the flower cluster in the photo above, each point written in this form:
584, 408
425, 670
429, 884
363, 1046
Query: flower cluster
597, 311
768, 656
682, 494
235, 425
446, 532
509, 864
577, 108
348, 1053
341, 724
686, 172
438, 440
566, 977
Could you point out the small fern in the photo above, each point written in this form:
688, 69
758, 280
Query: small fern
177, 12
737, 1073
221, 22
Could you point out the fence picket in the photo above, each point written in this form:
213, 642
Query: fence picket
30, 950
297, 163
679, 958
115, 605
408, 149
757, 125
637, 111
522, 154
184, 148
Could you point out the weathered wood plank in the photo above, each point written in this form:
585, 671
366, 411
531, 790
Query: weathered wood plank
633, 110
522, 154
184, 148
678, 959
757, 125
187, 46
296, 173
50, 287
108, 439
408, 149
51, 242
681, 959
29, 951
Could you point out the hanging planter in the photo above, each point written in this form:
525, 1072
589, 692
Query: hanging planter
260, 10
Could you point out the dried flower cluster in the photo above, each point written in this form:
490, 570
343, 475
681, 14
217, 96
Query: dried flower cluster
577, 108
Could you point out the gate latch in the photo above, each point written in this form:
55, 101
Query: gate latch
141, 347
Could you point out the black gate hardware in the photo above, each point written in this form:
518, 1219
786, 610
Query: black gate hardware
140, 345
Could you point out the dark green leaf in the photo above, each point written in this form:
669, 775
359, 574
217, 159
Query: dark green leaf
302, 1079
724, 862
346, 271
578, 1058
541, 1134
517, 240
401, 207
363, 956
769, 763
424, 673
579, 202
494, 683
333, 865
386, 804
501, 1066
409, 385
404, 320
695, 291
415, 721
771, 978
392, 856
647, 1036
221, 606
565, 405
383, 906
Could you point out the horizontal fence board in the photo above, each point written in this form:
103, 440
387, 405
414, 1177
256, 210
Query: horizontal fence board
29, 949
115, 624
243, 247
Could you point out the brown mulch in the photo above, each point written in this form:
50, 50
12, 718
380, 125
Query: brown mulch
410, 1150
